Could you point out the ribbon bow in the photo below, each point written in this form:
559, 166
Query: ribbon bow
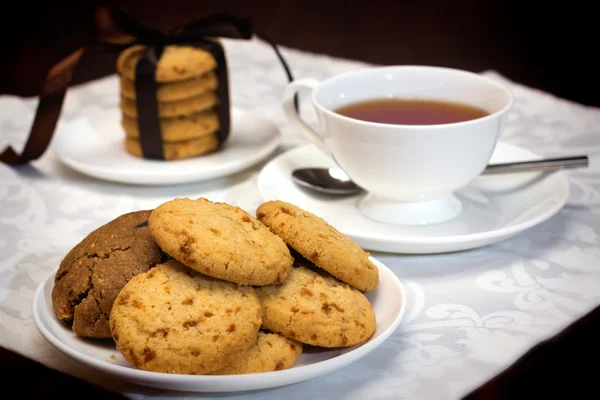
218, 25
194, 34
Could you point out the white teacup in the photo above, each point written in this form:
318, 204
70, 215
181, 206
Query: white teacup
409, 171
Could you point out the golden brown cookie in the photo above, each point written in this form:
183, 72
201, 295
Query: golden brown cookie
173, 319
176, 90
177, 150
177, 129
91, 275
272, 352
221, 241
177, 108
321, 243
315, 308
175, 64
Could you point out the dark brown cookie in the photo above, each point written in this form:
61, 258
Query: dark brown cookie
93, 272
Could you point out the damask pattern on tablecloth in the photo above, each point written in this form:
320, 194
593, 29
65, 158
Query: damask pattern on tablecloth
469, 314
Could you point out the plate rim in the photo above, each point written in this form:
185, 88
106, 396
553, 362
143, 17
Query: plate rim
445, 240
107, 174
266, 380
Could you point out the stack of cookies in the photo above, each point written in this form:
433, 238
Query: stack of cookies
187, 99
231, 293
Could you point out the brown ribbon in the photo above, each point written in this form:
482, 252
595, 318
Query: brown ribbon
147, 106
47, 113
46, 116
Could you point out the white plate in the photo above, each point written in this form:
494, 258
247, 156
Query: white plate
96, 148
495, 206
388, 302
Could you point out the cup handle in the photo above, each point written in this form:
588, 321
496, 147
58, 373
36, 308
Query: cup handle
289, 110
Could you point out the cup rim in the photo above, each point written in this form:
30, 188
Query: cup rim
502, 87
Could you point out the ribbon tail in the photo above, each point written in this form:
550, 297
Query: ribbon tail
284, 64
51, 98
287, 71
46, 117
147, 107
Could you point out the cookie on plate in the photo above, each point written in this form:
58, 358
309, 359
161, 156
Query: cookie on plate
315, 308
91, 275
321, 243
177, 62
194, 126
179, 108
220, 240
174, 91
173, 319
177, 150
272, 352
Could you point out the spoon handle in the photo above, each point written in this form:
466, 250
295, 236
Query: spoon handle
549, 164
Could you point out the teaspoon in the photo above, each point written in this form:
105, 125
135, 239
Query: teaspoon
335, 181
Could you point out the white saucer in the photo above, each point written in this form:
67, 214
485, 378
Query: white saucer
495, 207
388, 302
96, 148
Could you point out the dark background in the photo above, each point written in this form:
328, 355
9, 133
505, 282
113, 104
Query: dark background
550, 46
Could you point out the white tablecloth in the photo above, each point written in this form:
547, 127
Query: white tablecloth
469, 314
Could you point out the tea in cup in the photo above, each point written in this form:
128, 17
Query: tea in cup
411, 136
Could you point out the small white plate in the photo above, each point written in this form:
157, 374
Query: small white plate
495, 206
388, 302
95, 147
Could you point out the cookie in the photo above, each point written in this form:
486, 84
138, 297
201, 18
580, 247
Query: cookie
272, 352
177, 108
176, 90
173, 319
220, 240
176, 129
315, 308
91, 275
177, 150
321, 243
176, 63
